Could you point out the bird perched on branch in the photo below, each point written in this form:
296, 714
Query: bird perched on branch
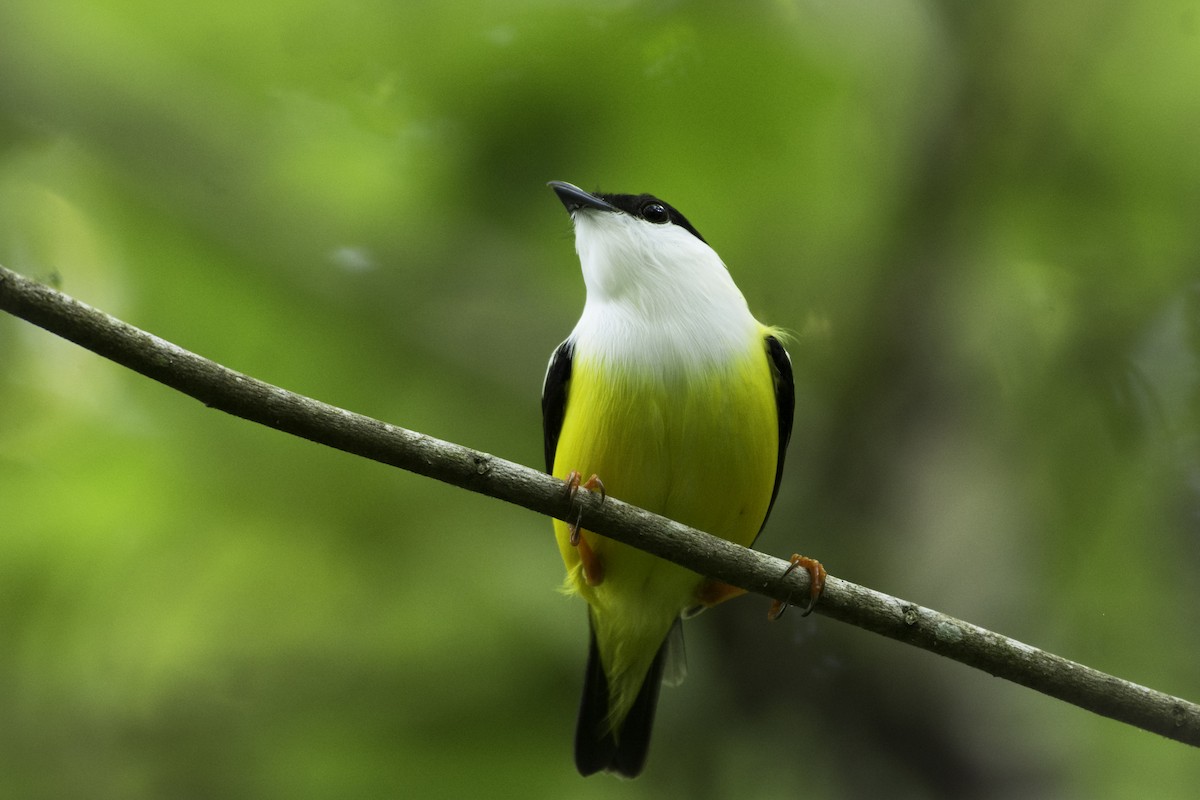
671, 396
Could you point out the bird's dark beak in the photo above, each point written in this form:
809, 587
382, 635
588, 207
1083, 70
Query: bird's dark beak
575, 198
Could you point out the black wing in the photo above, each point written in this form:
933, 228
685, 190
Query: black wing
785, 407
554, 398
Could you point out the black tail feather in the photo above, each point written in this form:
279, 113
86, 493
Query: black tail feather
598, 748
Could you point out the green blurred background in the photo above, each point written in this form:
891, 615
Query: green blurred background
980, 219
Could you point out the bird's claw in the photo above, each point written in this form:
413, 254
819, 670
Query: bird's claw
593, 567
574, 482
816, 582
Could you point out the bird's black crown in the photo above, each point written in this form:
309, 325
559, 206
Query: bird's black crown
651, 209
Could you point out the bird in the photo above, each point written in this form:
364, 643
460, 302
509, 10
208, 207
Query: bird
671, 396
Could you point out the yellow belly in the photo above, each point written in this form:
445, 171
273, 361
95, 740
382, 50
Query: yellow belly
699, 447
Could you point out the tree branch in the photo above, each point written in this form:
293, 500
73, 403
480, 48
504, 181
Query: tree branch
243, 396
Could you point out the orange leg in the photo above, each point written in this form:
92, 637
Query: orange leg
593, 566
816, 582
714, 592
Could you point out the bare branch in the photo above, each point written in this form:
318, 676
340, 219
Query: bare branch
224, 389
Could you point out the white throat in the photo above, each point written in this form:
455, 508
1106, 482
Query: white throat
657, 296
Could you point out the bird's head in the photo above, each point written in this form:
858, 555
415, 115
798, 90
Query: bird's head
640, 249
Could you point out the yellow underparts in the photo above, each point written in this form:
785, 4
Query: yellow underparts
700, 447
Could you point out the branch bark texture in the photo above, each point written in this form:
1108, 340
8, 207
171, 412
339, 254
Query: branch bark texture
246, 397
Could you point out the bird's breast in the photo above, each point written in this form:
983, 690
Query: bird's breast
687, 435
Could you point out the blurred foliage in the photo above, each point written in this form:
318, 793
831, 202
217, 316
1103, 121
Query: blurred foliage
979, 218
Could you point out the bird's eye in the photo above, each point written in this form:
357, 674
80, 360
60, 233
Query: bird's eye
656, 213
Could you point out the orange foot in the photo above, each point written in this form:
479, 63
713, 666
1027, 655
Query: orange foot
816, 584
593, 566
